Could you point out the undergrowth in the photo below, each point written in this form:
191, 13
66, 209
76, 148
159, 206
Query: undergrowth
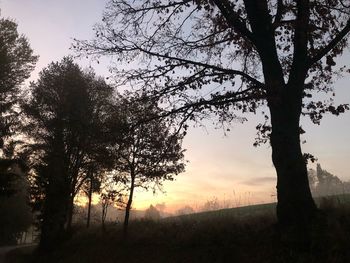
216, 237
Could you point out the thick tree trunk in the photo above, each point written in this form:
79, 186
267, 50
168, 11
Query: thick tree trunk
55, 209
128, 208
89, 205
296, 206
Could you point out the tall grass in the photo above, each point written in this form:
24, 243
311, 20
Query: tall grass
246, 234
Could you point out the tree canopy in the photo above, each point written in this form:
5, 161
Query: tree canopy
65, 118
146, 152
217, 55
229, 57
16, 63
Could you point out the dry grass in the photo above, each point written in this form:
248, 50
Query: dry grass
210, 237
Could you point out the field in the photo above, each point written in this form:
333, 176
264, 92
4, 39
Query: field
246, 234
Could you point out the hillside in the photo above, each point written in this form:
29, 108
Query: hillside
246, 234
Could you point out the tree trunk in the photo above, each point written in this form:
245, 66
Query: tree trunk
89, 205
128, 207
70, 213
55, 209
295, 206
104, 215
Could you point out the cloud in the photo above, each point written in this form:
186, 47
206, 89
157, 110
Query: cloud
258, 181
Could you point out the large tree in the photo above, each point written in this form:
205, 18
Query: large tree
231, 56
65, 115
146, 153
16, 63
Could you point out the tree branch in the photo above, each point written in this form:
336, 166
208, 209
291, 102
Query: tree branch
279, 13
300, 41
227, 71
233, 19
217, 101
335, 41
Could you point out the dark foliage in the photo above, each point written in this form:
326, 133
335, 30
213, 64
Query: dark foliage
16, 63
146, 152
229, 57
66, 112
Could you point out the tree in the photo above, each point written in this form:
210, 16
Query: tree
152, 213
16, 63
16, 214
226, 57
186, 210
90, 186
146, 153
324, 183
108, 198
65, 116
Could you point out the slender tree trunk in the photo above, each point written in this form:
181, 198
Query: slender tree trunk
128, 207
89, 205
70, 213
296, 206
104, 215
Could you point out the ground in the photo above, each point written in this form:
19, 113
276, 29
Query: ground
232, 235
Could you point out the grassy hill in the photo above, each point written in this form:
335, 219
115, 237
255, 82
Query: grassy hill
245, 234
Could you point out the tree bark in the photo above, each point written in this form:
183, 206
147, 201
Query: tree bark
89, 205
295, 206
128, 207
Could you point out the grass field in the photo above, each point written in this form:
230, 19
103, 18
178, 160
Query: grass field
246, 234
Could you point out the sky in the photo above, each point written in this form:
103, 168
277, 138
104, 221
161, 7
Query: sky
222, 166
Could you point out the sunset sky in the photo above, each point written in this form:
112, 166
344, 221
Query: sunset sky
225, 166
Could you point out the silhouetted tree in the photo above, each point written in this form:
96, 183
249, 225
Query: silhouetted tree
109, 198
16, 63
226, 57
91, 185
16, 215
152, 213
65, 116
324, 183
147, 153
185, 210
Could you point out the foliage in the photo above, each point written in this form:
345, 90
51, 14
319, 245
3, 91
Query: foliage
16, 63
149, 151
16, 215
112, 194
185, 210
68, 105
209, 55
146, 152
152, 213
66, 113
323, 183
228, 58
